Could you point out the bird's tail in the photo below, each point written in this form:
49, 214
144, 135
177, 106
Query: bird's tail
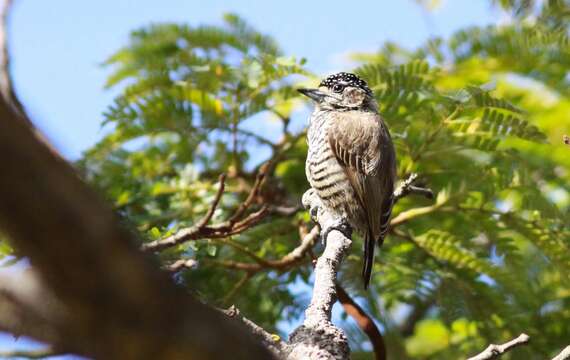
369, 244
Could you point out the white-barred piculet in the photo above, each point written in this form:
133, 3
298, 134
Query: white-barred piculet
351, 163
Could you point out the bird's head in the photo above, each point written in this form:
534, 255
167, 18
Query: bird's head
342, 91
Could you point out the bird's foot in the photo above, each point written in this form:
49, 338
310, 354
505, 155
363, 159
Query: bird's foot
312, 202
340, 225
313, 212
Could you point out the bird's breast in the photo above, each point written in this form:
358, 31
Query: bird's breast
327, 176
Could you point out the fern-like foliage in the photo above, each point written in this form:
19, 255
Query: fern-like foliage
502, 216
479, 116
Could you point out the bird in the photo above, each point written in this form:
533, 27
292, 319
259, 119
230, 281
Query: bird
351, 160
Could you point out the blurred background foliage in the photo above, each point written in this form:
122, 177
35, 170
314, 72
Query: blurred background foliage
479, 116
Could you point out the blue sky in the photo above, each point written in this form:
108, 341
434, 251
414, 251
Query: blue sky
57, 47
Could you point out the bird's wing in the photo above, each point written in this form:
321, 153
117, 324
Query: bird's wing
361, 143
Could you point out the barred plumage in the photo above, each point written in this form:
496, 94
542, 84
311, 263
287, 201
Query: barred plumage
351, 160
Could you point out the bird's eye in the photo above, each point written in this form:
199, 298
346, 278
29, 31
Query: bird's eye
337, 88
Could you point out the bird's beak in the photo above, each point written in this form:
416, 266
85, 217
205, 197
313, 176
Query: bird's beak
314, 94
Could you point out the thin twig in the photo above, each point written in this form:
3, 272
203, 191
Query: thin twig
364, 321
181, 264
241, 248
260, 139
236, 224
289, 260
564, 355
494, 351
250, 198
272, 342
407, 187
206, 219
29, 354
235, 289
418, 312
298, 253
408, 215
285, 210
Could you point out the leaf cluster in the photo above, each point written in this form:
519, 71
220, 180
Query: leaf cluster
479, 116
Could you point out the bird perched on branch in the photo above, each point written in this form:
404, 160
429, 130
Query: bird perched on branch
351, 163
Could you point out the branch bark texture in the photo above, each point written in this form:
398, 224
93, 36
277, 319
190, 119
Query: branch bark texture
318, 338
494, 351
117, 304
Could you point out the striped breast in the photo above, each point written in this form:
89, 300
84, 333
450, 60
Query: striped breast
327, 176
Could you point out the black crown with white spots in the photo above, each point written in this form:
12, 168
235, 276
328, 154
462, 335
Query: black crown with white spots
345, 79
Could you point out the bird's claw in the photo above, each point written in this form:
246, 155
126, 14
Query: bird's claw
340, 225
312, 202
313, 212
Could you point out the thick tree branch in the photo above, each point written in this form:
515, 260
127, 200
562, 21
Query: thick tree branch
494, 351
28, 308
114, 295
6, 85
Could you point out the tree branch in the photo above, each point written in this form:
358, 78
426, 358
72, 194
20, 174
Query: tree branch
310, 343
28, 308
113, 294
407, 187
29, 354
564, 355
419, 311
237, 223
364, 321
289, 260
494, 351
6, 85
318, 338
206, 219
410, 214
181, 264
272, 342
